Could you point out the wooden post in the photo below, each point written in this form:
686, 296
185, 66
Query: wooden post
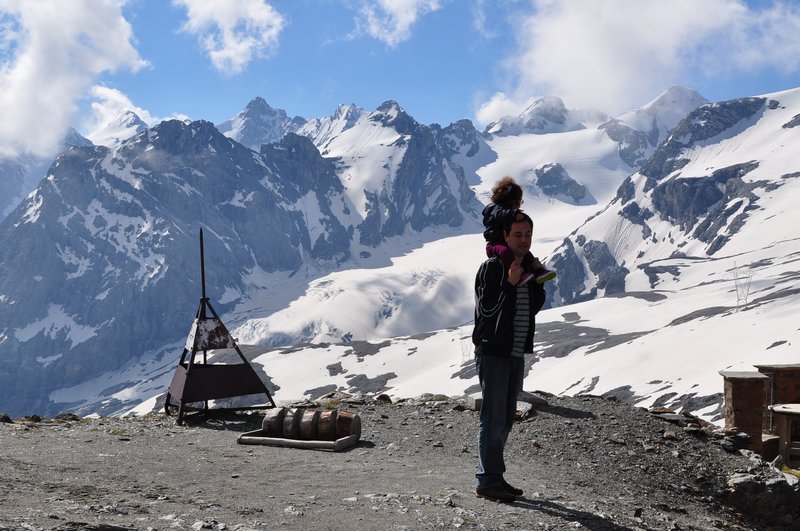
745, 402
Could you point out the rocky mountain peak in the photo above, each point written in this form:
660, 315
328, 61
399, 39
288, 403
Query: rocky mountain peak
547, 114
705, 122
131, 119
259, 106
74, 139
664, 112
178, 138
349, 112
675, 206
678, 97
391, 114
259, 123
119, 227
640, 131
124, 126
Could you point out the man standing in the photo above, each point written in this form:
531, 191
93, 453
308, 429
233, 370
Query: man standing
505, 310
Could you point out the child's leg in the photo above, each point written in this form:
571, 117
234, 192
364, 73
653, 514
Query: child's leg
501, 251
507, 257
538, 269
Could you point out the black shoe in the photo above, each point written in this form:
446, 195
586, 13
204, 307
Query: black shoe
497, 493
511, 489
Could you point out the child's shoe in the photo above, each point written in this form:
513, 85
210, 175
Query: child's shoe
525, 278
543, 275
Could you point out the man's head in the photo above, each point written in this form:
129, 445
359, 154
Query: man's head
518, 233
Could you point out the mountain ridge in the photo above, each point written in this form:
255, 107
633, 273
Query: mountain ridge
382, 223
116, 225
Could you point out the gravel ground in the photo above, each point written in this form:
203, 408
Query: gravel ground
583, 462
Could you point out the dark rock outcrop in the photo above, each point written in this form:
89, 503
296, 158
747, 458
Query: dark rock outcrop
555, 182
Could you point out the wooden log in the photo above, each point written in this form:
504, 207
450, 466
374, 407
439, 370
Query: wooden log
327, 425
309, 425
273, 422
348, 423
257, 437
291, 422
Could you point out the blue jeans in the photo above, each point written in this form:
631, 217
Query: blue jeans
501, 381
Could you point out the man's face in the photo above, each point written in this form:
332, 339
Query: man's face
519, 239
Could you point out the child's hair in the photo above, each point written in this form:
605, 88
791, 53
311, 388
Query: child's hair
506, 192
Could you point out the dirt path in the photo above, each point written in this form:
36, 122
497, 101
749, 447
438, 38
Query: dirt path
584, 463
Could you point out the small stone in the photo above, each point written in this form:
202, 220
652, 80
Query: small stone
384, 398
670, 435
294, 512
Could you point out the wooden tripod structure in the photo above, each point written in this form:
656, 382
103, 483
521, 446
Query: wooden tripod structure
196, 381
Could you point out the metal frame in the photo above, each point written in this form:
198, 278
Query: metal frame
196, 381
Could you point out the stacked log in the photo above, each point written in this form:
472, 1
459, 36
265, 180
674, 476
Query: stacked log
310, 424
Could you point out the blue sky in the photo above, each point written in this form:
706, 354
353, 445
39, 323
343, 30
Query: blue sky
79, 63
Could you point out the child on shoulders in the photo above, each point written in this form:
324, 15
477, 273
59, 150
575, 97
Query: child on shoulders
506, 202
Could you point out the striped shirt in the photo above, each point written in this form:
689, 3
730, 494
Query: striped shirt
522, 321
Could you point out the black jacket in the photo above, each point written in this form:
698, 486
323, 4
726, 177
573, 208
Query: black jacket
495, 301
494, 217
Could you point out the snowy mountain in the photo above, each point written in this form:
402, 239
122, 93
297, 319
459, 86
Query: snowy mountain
119, 227
322, 131
693, 197
349, 249
705, 233
546, 115
381, 155
124, 126
691, 269
582, 165
641, 131
258, 124
20, 175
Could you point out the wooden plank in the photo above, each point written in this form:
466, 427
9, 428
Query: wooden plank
259, 437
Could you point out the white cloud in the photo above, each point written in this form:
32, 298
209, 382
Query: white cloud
479, 19
391, 21
498, 106
233, 33
765, 39
51, 52
616, 55
108, 104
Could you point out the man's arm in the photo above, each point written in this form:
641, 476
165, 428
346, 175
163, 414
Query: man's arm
538, 297
491, 288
